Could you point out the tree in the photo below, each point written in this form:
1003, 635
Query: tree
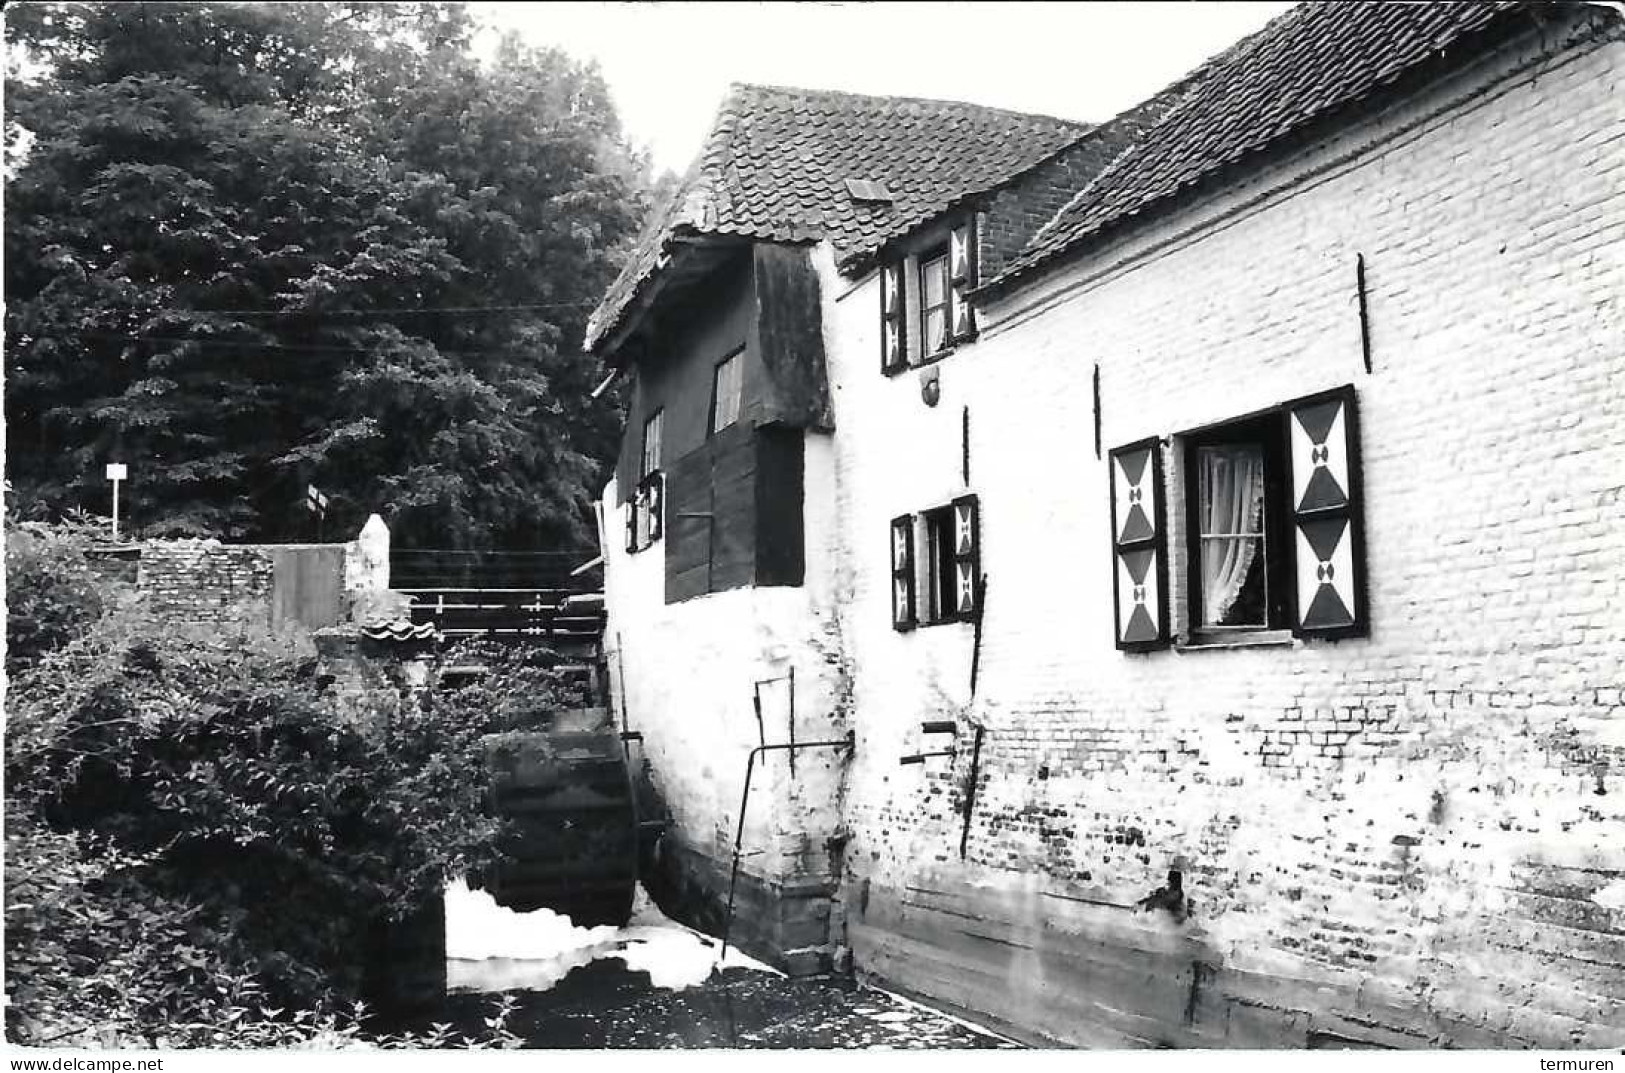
253, 247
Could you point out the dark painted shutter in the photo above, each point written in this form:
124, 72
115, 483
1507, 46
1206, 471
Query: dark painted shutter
961, 279
632, 522
1139, 547
893, 336
902, 572
654, 496
967, 557
1323, 442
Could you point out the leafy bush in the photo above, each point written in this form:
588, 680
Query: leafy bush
205, 835
52, 593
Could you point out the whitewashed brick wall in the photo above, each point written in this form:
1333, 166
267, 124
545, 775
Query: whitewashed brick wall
1422, 832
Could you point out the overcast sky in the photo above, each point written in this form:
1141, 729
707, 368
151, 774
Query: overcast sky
669, 64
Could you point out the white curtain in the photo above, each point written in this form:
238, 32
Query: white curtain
1232, 504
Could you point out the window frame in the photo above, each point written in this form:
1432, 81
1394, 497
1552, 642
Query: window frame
737, 357
937, 580
657, 419
908, 259
1266, 429
933, 255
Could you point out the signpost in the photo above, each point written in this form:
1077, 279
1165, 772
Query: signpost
116, 472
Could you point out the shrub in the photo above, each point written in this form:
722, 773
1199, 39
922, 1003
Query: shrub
52, 593
205, 836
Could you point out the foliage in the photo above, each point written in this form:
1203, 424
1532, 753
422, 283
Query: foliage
52, 594
206, 836
253, 247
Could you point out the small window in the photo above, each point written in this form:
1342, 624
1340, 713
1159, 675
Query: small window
933, 302
725, 391
1236, 506
939, 581
651, 442
945, 575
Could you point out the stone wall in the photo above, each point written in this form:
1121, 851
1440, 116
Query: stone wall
207, 583
1409, 839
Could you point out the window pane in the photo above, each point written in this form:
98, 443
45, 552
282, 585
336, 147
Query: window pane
933, 304
1233, 582
939, 566
726, 387
936, 330
934, 281
1230, 523
651, 442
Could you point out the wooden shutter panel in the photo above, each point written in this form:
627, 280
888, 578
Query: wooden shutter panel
967, 557
654, 496
962, 270
1139, 547
893, 336
902, 572
1323, 444
632, 522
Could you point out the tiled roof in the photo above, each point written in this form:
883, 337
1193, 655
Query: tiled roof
399, 629
1303, 65
777, 160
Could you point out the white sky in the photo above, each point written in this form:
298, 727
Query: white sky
669, 64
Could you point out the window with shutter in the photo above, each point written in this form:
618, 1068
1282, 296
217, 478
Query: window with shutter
893, 333
652, 498
1327, 515
925, 305
632, 523
1139, 546
902, 572
967, 557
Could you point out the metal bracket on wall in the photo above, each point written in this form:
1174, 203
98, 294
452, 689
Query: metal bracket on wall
938, 726
756, 701
970, 789
1365, 313
849, 743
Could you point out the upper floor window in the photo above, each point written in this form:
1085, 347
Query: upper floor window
924, 299
651, 442
725, 391
933, 302
645, 507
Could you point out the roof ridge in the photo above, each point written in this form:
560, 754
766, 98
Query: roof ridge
1296, 70
894, 98
1184, 89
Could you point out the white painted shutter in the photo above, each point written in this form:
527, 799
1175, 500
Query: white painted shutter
1327, 516
962, 269
1139, 547
893, 336
902, 572
967, 558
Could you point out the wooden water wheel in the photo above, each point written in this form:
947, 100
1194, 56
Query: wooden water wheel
573, 840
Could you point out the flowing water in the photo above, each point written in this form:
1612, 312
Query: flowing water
655, 983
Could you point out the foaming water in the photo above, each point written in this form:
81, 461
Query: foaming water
492, 948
